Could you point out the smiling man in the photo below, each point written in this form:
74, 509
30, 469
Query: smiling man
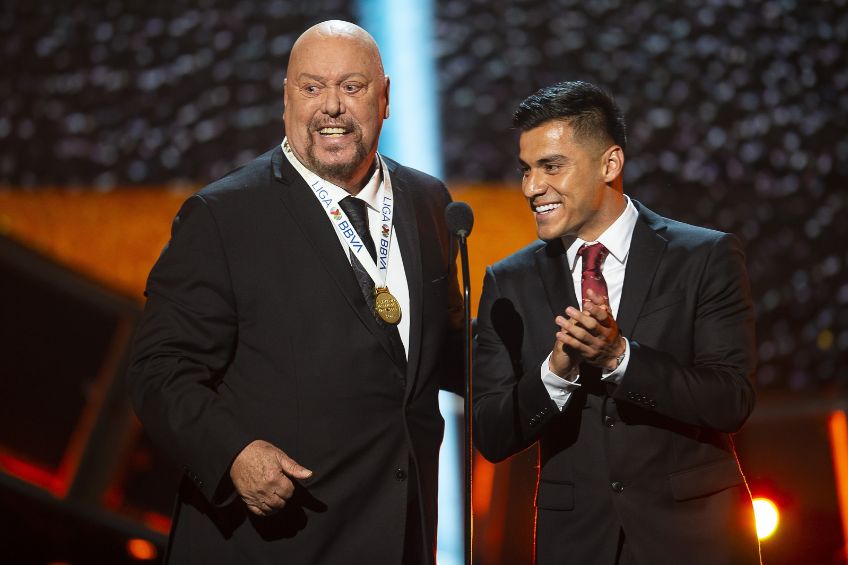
336, 97
298, 327
623, 343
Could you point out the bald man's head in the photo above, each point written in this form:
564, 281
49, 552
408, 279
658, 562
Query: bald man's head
336, 29
336, 97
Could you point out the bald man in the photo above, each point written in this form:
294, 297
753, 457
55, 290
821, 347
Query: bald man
298, 327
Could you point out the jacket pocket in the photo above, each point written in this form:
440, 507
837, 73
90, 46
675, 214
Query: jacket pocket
555, 495
441, 278
663, 301
705, 479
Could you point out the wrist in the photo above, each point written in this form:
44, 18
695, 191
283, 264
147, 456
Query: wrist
615, 362
562, 370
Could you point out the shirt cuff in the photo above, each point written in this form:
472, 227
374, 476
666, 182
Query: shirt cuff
559, 389
617, 374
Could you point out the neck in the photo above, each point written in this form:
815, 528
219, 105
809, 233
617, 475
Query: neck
610, 212
354, 184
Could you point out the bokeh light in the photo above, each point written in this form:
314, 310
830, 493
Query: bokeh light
141, 550
767, 516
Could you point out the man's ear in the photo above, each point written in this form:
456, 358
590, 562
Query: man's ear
285, 94
613, 163
386, 113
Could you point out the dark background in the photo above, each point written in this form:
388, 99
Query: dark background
737, 116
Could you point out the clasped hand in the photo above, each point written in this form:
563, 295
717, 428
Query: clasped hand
262, 475
591, 335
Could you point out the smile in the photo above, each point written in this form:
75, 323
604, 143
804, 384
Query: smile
546, 208
332, 131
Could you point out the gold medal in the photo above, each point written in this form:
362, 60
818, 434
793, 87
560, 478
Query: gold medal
386, 305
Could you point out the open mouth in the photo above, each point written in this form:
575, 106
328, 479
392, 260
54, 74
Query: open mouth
334, 131
545, 208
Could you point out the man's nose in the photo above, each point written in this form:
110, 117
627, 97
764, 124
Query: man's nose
333, 104
531, 185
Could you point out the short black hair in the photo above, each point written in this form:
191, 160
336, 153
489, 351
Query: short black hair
590, 111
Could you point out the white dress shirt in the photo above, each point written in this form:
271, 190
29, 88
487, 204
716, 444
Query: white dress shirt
396, 275
616, 239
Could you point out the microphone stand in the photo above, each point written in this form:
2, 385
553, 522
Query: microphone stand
460, 219
468, 446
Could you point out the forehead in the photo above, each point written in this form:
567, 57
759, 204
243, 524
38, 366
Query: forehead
554, 136
333, 56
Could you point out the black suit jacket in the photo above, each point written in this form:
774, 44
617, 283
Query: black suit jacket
652, 456
255, 328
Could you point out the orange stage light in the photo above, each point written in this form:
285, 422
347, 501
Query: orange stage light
767, 516
482, 485
141, 549
838, 427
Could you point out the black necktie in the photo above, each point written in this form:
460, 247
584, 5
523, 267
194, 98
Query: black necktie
357, 212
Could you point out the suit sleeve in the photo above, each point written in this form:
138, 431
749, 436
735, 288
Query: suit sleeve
511, 404
183, 344
714, 390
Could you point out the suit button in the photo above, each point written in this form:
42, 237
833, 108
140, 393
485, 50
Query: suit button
400, 475
609, 422
617, 486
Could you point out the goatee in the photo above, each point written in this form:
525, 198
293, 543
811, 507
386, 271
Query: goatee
336, 171
340, 171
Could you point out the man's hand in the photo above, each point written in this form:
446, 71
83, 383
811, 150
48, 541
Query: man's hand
591, 334
564, 358
262, 475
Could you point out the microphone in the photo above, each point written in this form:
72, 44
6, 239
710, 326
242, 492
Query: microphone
459, 218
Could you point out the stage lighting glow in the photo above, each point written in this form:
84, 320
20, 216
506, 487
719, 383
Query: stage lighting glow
767, 516
141, 549
838, 425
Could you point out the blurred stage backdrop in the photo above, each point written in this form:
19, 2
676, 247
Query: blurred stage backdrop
113, 111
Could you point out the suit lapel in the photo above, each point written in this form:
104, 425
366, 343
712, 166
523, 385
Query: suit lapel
406, 230
306, 211
646, 249
555, 273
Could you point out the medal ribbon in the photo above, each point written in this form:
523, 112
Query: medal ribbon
377, 271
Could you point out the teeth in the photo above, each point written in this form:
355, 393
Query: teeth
547, 207
331, 131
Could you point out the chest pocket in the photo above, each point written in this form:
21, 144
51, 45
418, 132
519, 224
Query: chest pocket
662, 302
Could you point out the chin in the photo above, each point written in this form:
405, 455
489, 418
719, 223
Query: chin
548, 232
547, 235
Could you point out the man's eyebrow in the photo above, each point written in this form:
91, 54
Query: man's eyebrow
309, 76
552, 158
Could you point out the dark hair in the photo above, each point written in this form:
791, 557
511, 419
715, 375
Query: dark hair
591, 112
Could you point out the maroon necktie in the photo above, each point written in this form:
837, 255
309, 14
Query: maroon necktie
593, 258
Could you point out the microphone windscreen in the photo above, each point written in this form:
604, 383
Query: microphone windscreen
459, 218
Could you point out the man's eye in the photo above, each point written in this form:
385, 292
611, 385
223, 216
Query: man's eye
351, 88
551, 168
310, 89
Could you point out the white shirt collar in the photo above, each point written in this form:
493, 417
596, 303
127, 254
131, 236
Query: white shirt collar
616, 238
370, 192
